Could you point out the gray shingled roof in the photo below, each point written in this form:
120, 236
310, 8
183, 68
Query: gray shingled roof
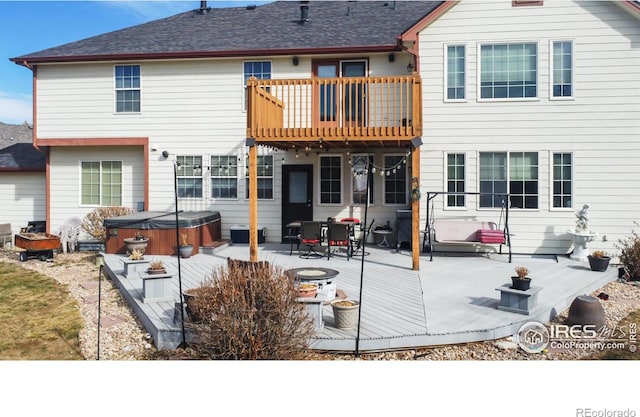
16, 150
363, 25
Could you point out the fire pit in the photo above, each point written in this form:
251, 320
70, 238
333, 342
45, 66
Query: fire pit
323, 277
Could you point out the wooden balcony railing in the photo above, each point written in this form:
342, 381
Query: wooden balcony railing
360, 108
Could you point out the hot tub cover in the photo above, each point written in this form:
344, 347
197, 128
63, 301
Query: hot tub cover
162, 220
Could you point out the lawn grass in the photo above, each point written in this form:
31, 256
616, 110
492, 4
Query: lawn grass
39, 320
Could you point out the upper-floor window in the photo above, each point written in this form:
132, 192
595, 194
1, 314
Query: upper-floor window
330, 180
515, 173
362, 165
189, 176
101, 183
224, 176
265, 177
127, 82
509, 71
562, 180
455, 180
562, 69
395, 183
455, 72
259, 69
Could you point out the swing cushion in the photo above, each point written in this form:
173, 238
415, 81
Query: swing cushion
490, 236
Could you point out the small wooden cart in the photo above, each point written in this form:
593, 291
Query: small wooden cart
40, 245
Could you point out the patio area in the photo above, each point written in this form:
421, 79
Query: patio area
452, 299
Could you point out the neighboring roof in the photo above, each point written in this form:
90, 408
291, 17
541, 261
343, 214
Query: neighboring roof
272, 28
16, 149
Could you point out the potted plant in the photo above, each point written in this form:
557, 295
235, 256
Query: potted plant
598, 260
521, 281
345, 313
185, 248
139, 241
136, 255
156, 267
307, 289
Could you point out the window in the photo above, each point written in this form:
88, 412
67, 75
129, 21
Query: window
360, 168
508, 71
395, 183
259, 69
522, 179
101, 183
330, 180
455, 69
265, 177
127, 79
189, 175
562, 180
455, 179
562, 69
224, 176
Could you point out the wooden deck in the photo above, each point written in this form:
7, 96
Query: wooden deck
452, 299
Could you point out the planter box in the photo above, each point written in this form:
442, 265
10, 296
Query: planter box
156, 287
134, 267
314, 308
240, 234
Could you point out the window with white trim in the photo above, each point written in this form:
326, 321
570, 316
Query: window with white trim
331, 179
455, 72
516, 170
127, 86
224, 176
101, 183
562, 180
455, 179
395, 182
562, 69
189, 176
265, 177
509, 71
259, 69
360, 167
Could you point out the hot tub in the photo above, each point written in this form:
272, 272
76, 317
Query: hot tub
201, 227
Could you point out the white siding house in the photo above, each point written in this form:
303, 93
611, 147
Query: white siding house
594, 126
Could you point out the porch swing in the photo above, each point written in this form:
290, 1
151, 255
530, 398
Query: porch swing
465, 232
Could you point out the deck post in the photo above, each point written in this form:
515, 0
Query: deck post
415, 210
253, 200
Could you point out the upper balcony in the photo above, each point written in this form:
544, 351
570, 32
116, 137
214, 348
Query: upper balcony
343, 112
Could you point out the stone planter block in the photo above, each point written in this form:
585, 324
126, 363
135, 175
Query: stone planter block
156, 287
314, 308
134, 267
517, 301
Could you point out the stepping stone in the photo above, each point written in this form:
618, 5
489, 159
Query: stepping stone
109, 321
89, 285
90, 299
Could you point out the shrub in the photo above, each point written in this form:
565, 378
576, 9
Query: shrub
250, 314
630, 255
522, 272
93, 222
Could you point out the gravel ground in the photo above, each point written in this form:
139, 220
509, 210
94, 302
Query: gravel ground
123, 338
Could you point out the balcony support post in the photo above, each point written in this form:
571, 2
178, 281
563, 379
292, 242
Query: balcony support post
253, 199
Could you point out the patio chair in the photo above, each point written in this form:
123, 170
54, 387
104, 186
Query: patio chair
311, 236
339, 234
69, 232
361, 237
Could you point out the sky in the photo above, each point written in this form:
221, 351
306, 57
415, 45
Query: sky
31, 26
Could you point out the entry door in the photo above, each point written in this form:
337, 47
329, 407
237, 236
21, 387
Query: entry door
336, 105
297, 194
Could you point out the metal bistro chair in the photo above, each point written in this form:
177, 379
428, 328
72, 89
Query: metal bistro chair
361, 237
311, 236
339, 234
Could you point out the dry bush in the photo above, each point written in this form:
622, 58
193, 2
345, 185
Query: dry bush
93, 222
630, 255
250, 313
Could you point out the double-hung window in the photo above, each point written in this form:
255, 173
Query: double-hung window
395, 184
259, 69
331, 179
508, 71
224, 176
455, 72
265, 177
562, 69
562, 180
455, 179
515, 173
101, 183
127, 86
189, 176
